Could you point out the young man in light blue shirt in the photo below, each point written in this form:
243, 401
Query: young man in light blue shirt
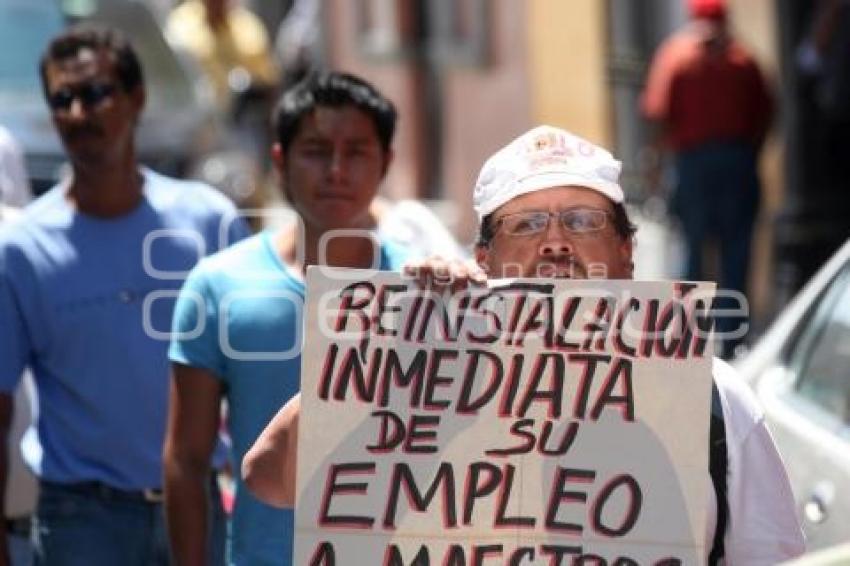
238, 319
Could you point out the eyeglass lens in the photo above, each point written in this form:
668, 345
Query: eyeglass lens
579, 220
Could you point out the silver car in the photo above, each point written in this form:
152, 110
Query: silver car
800, 371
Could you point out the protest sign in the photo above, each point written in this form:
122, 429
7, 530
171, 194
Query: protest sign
531, 422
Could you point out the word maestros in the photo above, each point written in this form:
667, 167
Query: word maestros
516, 352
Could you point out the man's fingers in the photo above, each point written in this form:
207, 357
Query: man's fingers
440, 274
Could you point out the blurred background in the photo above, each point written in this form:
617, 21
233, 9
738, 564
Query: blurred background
466, 75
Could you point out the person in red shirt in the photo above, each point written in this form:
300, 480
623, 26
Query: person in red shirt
711, 99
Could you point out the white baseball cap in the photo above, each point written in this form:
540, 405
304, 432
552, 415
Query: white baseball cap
542, 158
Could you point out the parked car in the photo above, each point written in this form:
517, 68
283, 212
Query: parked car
800, 370
833, 556
180, 133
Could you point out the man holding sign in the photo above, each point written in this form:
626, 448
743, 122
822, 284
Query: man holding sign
549, 206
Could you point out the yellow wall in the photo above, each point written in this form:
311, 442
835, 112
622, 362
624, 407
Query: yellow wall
754, 23
567, 66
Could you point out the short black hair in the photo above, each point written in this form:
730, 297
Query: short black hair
335, 89
622, 224
87, 36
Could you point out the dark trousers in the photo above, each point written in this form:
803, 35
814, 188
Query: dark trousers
717, 200
95, 525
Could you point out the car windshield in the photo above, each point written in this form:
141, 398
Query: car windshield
26, 26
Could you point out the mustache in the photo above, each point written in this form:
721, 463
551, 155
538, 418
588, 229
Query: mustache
83, 130
564, 265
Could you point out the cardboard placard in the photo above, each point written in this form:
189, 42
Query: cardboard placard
531, 422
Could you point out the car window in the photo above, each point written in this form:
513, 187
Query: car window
25, 28
822, 356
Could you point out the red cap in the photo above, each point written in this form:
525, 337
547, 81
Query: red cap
713, 9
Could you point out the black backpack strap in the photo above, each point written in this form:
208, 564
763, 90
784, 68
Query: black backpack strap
717, 466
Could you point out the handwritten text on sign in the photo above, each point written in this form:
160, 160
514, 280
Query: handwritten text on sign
533, 422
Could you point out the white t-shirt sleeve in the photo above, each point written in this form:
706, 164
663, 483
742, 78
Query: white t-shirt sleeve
763, 527
14, 184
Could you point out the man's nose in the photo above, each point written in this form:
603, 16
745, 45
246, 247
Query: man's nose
77, 110
556, 242
336, 165
555, 248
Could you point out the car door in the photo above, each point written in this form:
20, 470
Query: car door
807, 402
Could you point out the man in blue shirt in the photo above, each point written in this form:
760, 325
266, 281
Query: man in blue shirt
237, 322
87, 285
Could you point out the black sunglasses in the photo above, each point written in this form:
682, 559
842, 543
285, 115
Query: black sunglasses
90, 94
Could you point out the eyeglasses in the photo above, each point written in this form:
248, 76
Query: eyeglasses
573, 220
90, 94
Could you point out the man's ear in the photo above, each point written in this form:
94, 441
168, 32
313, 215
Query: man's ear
279, 161
482, 257
278, 158
388, 160
138, 97
626, 249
